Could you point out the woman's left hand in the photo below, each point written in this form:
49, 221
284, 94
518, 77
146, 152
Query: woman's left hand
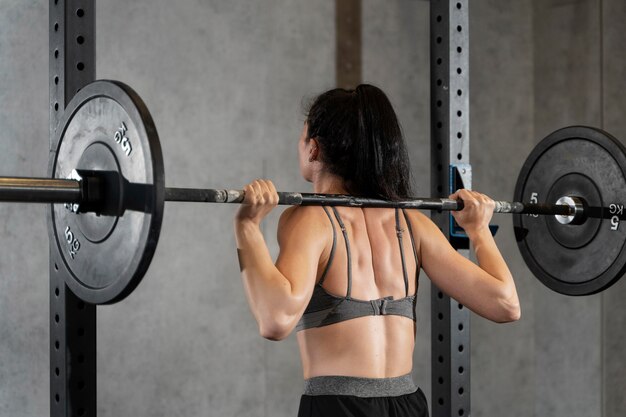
260, 198
477, 212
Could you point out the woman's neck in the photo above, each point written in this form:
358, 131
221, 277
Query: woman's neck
325, 183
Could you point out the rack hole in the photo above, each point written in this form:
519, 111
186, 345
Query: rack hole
57, 398
459, 92
439, 295
56, 291
80, 12
56, 81
439, 82
440, 380
56, 318
80, 66
439, 61
56, 345
439, 39
439, 103
56, 27
439, 167
440, 359
459, 135
460, 305
458, 6
56, 53
461, 412
440, 316
459, 71
80, 40
440, 401
439, 146
459, 113
461, 348
56, 106
459, 156
440, 338
459, 49
459, 28
461, 370
460, 327
439, 18
439, 125
57, 371
461, 391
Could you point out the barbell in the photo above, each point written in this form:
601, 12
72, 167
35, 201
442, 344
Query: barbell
106, 193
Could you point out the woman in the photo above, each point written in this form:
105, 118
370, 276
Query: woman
346, 278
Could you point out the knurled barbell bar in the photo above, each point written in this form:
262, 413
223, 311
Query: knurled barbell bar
86, 193
106, 170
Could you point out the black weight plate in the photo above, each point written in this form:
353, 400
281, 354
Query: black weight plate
574, 259
107, 127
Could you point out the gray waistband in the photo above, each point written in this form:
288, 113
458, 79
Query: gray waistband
360, 387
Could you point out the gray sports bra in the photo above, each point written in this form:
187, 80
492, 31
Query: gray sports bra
325, 308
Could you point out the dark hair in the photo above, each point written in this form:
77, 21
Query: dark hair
361, 141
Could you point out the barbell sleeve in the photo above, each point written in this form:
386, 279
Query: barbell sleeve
40, 190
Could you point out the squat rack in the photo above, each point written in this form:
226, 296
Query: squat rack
450, 170
73, 322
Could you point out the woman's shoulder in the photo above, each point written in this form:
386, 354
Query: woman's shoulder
420, 222
310, 217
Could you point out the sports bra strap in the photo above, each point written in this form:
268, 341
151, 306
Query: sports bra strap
332, 250
399, 234
345, 237
408, 223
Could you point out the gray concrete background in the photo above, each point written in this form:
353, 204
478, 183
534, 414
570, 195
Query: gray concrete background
224, 82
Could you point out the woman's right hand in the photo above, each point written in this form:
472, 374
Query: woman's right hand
260, 198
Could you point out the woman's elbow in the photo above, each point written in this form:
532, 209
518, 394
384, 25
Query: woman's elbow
510, 312
275, 330
273, 334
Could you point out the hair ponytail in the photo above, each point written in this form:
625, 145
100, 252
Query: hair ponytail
361, 141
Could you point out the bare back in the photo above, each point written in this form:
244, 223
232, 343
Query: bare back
371, 346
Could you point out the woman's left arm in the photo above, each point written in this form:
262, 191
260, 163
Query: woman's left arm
277, 297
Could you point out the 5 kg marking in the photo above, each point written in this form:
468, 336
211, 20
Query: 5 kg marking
534, 199
617, 210
72, 242
120, 137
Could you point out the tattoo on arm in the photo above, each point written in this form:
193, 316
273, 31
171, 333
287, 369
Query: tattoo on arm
240, 260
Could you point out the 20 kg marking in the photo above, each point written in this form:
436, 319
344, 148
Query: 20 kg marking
73, 243
120, 137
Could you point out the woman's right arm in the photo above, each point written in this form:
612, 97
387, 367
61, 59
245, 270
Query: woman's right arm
488, 288
278, 293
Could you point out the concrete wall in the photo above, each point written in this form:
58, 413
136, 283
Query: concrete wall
501, 126
224, 82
